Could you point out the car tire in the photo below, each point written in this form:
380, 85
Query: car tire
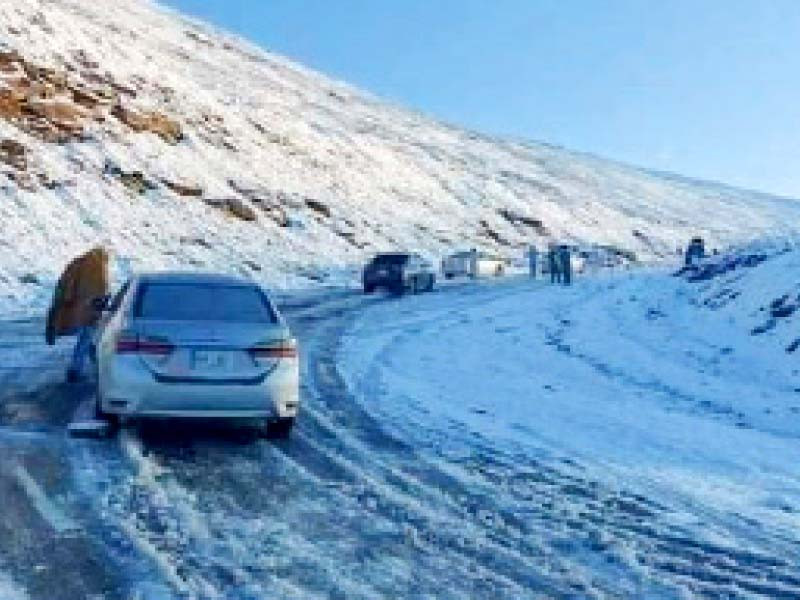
279, 429
368, 289
431, 281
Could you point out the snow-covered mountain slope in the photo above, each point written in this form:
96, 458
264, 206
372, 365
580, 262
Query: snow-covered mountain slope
126, 122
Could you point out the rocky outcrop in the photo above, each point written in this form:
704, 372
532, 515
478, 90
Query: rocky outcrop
269, 202
517, 219
57, 105
149, 121
241, 210
318, 207
135, 181
184, 189
235, 207
13, 154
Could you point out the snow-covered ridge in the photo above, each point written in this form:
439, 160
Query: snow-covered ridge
187, 146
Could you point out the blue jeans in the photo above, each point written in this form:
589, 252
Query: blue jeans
82, 349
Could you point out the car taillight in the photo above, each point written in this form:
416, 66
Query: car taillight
277, 349
128, 343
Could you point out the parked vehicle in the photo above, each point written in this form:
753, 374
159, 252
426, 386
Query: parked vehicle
458, 264
473, 264
197, 345
489, 265
398, 272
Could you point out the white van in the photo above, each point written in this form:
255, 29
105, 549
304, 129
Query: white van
473, 264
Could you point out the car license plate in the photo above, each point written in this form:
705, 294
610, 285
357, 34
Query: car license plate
210, 360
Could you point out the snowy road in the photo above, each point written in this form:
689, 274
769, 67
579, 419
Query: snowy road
370, 497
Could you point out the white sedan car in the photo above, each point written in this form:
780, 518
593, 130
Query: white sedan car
195, 345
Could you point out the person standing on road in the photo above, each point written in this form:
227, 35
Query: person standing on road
533, 255
695, 252
72, 311
552, 264
566, 264
473, 263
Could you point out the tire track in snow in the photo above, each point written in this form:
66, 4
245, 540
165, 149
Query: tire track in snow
383, 523
346, 509
615, 522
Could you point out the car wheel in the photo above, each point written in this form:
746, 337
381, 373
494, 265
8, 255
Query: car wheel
415, 289
431, 281
368, 289
279, 429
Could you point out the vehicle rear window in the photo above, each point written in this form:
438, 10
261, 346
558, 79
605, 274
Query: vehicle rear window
390, 259
197, 302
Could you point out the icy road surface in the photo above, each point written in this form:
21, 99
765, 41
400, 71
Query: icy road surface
484, 441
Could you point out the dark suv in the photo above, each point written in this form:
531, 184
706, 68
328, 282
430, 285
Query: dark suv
399, 272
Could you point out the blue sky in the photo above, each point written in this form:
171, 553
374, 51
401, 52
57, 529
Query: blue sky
707, 88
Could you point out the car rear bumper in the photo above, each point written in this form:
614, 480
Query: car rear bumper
127, 388
388, 279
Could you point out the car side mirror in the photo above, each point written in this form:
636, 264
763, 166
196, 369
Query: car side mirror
101, 303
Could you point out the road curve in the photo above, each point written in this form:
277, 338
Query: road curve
342, 509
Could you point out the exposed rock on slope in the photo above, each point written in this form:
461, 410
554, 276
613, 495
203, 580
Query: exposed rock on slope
55, 104
276, 166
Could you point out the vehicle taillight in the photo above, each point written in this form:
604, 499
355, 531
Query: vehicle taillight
128, 343
276, 349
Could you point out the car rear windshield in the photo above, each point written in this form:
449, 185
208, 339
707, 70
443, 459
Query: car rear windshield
198, 302
390, 259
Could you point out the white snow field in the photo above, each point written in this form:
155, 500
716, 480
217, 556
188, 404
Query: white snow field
183, 146
657, 385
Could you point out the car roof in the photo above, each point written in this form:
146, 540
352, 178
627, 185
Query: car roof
188, 277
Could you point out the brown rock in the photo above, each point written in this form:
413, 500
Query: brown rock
136, 182
9, 58
240, 210
234, 207
162, 126
85, 98
188, 190
123, 89
13, 154
59, 111
10, 105
318, 207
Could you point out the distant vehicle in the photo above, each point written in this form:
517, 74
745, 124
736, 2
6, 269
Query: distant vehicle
398, 272
196, 345
461, 264
457, 265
